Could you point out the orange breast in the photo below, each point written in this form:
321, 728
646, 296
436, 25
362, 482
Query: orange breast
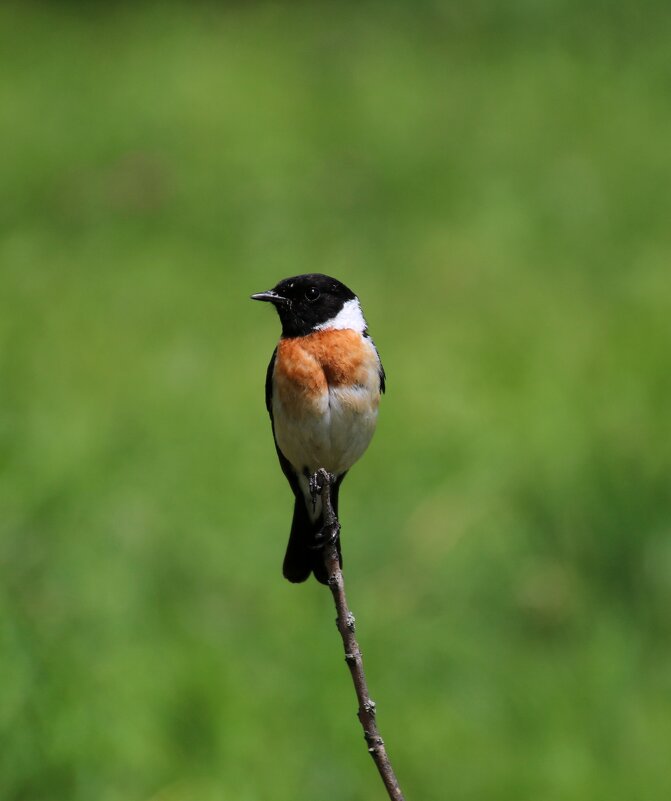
305, 367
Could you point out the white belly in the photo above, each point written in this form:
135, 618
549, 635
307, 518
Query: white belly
333, 439
334, 436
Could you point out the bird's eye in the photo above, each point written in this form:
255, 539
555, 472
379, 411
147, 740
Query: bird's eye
311, 293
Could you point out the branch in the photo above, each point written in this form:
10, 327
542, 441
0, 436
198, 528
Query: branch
345, 622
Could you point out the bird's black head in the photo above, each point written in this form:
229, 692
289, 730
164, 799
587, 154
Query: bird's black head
307, 303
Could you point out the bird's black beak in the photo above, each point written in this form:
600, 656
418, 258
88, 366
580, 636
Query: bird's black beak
270, 297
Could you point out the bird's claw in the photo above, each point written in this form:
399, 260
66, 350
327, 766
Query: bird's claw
326, 536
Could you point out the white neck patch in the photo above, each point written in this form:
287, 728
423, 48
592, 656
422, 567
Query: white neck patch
350, 316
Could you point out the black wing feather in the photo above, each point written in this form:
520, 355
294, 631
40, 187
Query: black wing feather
381, 372
287, 469
269, 384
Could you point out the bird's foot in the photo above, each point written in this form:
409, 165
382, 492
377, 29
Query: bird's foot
329, 532
327, 535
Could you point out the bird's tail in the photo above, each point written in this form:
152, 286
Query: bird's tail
302, 558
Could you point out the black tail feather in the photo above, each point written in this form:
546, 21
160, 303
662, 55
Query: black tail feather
301, 557
298, 558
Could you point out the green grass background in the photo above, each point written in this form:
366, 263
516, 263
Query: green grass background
493, 179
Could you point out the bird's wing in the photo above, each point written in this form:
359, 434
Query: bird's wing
383, 375
287, 469
269, 385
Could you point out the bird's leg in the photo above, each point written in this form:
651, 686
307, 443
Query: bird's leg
315, 482
320, 484
331, 528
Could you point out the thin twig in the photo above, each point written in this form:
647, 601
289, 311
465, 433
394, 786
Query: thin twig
346, 627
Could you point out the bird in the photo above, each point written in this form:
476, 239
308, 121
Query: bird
323, 388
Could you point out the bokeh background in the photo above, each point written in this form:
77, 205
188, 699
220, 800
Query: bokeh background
493, 179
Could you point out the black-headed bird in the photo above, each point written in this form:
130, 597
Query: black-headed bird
323, 388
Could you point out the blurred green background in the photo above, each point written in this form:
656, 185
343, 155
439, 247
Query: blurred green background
493, 179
